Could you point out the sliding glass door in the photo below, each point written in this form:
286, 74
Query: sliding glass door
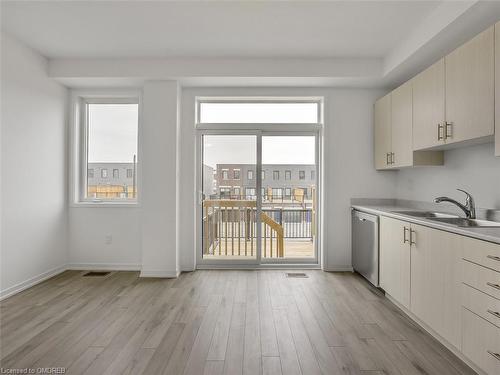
258, 198
229, 198
288, 198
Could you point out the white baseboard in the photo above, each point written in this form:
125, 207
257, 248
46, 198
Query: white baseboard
30, 282
160, 273
105, 266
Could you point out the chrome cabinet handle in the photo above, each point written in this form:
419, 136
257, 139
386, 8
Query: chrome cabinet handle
404, 234
494, 313
439, 128
393, 156
495, 355
493, 257
496, 286
449, 125
387, 161
412, 233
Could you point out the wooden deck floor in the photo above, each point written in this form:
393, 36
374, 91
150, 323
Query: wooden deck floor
293, 248
216, 322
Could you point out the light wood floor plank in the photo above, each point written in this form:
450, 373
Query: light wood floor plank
216, 322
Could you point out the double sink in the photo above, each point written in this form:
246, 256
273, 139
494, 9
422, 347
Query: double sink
451, 219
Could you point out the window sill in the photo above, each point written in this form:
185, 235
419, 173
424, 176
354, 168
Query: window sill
106, 204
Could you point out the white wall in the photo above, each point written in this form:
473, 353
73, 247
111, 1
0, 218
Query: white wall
348, 164
348, 173
88, 244
473, 168
33, 169
159, 217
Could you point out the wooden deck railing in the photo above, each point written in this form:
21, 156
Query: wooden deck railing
230, 227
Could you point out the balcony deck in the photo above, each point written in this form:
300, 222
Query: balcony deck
293, 248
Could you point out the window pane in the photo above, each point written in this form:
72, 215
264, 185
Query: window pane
112, 150
286, 113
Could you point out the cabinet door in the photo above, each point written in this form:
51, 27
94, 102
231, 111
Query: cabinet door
436, 280
401, 124
497, 89
382, 129
428, 106
395, 259
470, 86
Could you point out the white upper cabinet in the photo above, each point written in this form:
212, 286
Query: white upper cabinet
401, 124
393, 132
451, 102
383, 132
470, 89
428, 107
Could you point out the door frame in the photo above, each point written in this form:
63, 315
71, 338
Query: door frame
258, 130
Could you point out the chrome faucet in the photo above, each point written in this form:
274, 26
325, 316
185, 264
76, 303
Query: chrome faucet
469, 208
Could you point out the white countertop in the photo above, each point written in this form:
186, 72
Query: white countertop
486, 234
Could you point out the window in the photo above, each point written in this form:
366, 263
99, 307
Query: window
313, 175
263, 175
276, 175
302, 175
236, 174
237, 192
288, 192
250, 193
225, 174
288, 175
110, 127
277, 193
259, 112
250, 175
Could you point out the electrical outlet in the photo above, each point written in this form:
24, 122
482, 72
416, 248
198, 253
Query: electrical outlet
108, 240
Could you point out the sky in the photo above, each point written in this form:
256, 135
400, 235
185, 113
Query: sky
112, 132
241, 149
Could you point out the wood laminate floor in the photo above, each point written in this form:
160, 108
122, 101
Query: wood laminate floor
216, 322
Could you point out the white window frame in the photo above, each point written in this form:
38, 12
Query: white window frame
261, 129
78, 144
250, 174
258, 99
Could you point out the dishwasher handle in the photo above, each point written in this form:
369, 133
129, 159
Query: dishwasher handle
363, 216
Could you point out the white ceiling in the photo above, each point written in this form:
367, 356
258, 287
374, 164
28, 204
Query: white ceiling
248, 43
116, 29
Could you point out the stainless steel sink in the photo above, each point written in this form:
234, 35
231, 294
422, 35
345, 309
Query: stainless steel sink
464, 222
427, 214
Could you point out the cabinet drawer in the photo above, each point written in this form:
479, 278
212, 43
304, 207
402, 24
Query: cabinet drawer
482, 278
481, 252
481, 304
481, 342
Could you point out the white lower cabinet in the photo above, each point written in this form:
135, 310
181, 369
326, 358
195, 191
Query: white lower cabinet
436, 281
451, 283
395, 259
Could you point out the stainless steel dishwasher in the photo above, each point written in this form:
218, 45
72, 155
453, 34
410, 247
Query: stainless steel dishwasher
365, 250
